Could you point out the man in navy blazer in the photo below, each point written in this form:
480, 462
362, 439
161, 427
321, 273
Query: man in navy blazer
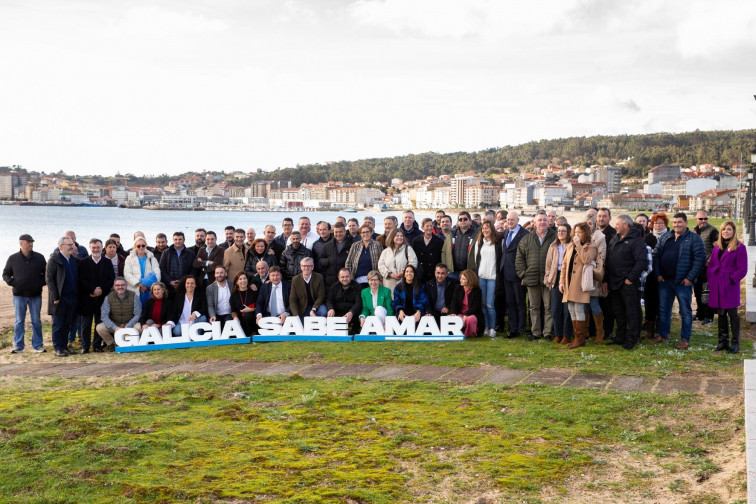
441, 282
264, 302
513, 288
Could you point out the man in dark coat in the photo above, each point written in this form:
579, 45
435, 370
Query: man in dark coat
62, 293
292, 256
208, 257
273, 245
428, 249
514, 291
25, 273
176, 262
273, 298
626, 260
333, 256
343, 299
409, 226
531, 267
96, 278
603, 218
439, 291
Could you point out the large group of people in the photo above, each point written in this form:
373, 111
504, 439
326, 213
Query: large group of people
546, 279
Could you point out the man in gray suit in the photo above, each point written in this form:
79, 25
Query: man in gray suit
218, 296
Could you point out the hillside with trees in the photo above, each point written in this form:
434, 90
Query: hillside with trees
641, 153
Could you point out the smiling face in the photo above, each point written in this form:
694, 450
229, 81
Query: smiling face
727, 232
409, 275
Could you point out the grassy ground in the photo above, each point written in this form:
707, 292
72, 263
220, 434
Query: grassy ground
208, 439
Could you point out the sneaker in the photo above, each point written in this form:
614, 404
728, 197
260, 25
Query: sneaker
17, 350
40, 350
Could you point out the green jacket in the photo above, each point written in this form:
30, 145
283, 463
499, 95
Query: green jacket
530, 262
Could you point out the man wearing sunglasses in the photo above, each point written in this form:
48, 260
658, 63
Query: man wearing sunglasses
709, 234
462, 237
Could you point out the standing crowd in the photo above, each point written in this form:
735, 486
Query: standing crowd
544, 279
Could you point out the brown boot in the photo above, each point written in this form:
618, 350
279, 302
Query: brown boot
557, 339
649, 326
566, 340
581, 329
599, 319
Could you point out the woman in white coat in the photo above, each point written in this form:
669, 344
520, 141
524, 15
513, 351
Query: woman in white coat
141, 269
395, 258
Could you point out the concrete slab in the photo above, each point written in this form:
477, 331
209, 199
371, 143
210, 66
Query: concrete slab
188, 367
74, 369
589, 380
725, 388
505, 376
429, 373
282, 369
355, 370
251, 368
632, 384
672, 385
394, 372
320, 370
466, 376
103, 369
548, 377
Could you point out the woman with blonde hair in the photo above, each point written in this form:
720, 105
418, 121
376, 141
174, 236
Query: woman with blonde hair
579, 254
394, 258
728, 265
141, 269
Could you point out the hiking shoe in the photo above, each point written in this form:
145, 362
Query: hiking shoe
17, 350
682, 345
40, 350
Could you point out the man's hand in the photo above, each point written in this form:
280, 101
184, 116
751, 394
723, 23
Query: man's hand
444, 310
211, 320
349, 316
628, 282
660, 278
417, 316
282, 318
175, 283
687, 283
97, 291
605, 287
332, 312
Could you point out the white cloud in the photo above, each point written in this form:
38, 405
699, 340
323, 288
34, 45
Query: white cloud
716, 29
153, 21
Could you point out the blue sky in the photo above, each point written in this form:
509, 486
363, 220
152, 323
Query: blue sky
153, 87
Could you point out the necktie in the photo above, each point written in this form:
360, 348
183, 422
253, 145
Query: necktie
509, 238
273, 302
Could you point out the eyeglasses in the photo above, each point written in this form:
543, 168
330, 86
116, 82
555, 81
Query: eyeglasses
463, 219
306, 266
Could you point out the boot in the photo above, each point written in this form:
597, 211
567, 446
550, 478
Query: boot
649, 326
722, 335
558, 339
581, 331
735, 327
599, 319
566, 340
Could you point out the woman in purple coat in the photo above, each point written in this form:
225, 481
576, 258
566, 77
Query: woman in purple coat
728, 265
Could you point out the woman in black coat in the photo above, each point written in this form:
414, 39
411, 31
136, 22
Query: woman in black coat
243, 300
197, 312
467, 302
157, 309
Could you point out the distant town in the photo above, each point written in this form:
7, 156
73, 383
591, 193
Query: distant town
707, 187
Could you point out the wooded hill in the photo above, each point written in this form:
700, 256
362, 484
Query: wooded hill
722, 148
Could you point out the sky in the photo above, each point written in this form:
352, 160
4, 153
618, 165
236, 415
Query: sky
93, 87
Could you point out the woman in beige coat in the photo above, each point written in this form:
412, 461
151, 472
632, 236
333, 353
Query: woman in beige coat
580, 253
395, 258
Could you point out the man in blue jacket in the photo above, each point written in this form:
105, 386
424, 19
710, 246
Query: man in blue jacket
678, 258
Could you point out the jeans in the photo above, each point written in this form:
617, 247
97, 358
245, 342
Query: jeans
576, 311
488, 286
668, 291
594, 307
177, 327
35, 307
65, 314
322, 311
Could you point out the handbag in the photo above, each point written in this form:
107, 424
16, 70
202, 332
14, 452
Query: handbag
586, 278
